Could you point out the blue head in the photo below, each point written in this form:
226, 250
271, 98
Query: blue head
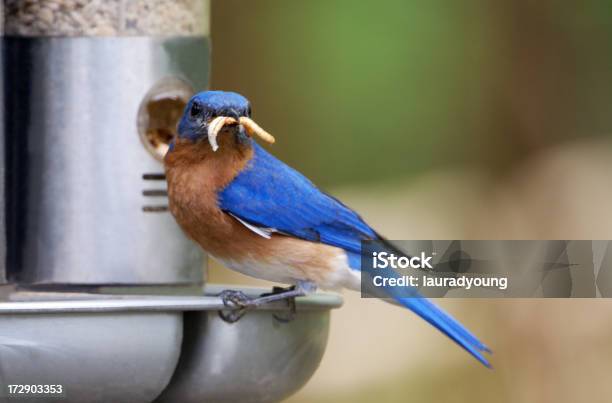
209, 113
203, 107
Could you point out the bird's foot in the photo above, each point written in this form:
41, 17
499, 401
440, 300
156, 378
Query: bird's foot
239, 302
290, 314
235, 299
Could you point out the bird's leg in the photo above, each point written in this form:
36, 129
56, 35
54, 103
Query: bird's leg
241, 302
288, 294
299, 290
238, 301
290, 302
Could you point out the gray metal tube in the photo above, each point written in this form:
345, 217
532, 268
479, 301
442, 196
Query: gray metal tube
77, 165
2, 157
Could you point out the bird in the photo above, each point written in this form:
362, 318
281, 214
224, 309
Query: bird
256, 215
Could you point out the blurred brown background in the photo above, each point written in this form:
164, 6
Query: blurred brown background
442, 120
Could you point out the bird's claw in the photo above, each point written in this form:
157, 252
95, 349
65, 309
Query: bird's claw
232, 316
290, 315
237, 301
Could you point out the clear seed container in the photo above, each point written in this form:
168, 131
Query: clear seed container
107, 17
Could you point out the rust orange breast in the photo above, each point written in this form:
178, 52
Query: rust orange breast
195, 176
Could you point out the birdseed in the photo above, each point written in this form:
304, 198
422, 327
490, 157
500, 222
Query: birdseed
105, 17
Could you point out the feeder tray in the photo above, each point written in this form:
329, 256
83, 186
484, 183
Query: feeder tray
103, 348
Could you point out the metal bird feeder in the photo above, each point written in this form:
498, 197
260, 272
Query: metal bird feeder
92, 91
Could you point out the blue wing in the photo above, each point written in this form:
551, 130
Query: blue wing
268, 193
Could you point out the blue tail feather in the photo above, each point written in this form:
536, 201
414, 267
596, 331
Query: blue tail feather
411, 299
447, 325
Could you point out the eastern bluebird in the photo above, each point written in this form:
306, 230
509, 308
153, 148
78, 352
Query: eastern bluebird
256, 215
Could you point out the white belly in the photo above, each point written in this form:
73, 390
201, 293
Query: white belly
338, 274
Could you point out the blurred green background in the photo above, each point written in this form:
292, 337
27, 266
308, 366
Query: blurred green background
371, 91
442, 120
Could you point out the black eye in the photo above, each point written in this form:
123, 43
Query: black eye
249, 111
196, 110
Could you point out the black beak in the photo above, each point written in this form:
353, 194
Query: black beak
233, 113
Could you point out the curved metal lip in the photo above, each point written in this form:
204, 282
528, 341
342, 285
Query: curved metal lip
117, 303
